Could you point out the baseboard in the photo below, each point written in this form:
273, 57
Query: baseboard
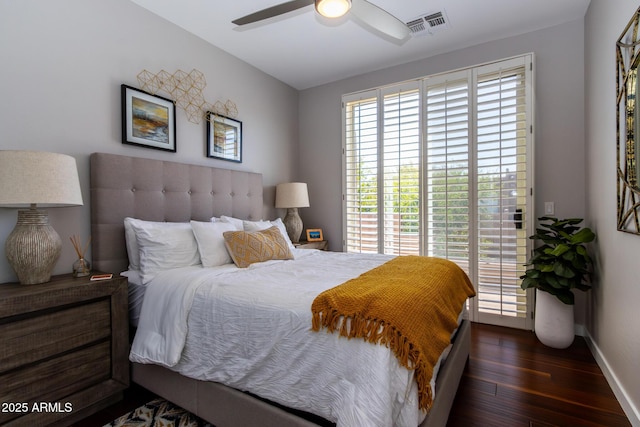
630, 410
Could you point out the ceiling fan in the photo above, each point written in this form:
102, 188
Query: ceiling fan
367, 12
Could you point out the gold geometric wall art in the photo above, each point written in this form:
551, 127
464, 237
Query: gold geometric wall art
186, 89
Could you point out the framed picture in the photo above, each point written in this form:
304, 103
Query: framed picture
148, 120
314, 235
224, 138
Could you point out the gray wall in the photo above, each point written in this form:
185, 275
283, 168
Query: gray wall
61, 66
613, 313
559, 122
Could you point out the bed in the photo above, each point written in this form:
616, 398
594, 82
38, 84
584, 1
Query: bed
154, 190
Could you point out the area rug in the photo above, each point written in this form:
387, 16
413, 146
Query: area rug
158, 413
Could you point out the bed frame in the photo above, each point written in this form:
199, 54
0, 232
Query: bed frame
156, 190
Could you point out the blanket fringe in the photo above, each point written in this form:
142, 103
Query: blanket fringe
375, 331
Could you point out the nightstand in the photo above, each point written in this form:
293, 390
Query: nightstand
63, 349
322, 245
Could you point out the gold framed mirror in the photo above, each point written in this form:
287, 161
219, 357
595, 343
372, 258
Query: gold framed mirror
628, 126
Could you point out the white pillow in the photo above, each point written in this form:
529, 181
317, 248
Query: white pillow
133, 251
256, 225
132, 245
235, 221
263, 225
213, 251
163, 246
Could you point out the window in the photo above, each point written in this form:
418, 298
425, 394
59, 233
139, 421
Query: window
440, 167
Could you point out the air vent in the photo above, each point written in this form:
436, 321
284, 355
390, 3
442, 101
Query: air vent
435, 20
428, 23
417, 25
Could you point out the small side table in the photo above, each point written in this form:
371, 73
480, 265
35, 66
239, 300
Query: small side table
322, 245
63, 349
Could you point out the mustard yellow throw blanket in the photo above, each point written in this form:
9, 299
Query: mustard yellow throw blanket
409, 304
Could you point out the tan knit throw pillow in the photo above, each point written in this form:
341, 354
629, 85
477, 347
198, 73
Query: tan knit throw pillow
247, 247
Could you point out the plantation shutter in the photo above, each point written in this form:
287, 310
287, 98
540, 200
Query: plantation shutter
360, 181
401, 171
382, 171
502, 133
447, 157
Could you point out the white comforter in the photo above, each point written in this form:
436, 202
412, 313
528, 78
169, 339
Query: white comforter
250, 329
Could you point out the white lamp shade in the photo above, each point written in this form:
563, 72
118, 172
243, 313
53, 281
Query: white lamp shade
292, 195
37, 177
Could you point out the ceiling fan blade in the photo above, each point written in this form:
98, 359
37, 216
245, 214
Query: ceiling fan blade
270, 12
380, 19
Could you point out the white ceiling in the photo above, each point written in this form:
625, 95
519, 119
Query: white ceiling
304, 50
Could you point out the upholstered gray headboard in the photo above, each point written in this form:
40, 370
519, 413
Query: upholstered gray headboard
156, 190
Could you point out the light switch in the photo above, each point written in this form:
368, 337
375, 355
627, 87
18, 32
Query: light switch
549, 208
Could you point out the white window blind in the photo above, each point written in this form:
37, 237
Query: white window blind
382, 172
501, 120
361, 173
447, 159
401, 172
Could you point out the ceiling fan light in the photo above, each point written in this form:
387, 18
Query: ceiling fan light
333, 8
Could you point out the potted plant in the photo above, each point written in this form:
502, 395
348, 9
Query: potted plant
558, 266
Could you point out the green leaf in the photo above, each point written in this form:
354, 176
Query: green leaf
528, 283
545, 268
566, 296
570, 256
568, 221
579, 263
583, 236
560, 249
562, 270
553, 281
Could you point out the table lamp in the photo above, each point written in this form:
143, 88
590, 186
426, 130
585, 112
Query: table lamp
29, 179
291, 196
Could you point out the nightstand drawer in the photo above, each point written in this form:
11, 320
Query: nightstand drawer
38, 337
43, 382
62, 343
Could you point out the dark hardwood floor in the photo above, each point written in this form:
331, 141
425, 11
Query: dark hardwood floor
511, 380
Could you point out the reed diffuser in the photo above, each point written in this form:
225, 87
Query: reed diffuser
81, 267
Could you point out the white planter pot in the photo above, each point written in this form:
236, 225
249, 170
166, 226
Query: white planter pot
553, 321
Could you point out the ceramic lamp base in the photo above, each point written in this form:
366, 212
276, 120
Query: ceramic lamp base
33, 247
293, 224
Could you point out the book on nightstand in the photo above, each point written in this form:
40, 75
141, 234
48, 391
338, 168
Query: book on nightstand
101, 277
